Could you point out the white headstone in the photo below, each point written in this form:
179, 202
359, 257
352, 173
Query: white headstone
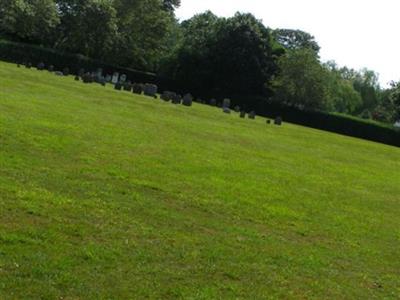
397, 124
115, 78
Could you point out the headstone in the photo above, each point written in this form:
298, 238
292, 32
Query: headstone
50, 68
118, 86
176, 99
237, 108
150, 89
137, 88
252, 115
28, 65
81, 72
213, 102
115, 78
127, 86
122, 78
76, 78
18, 65
242, 114
278, 121
40, 66
58, 73
167, 96
66, 71
99, 73
87, 78
108, 78
226, 110
187, 100
103, 81
268, 121
226, 103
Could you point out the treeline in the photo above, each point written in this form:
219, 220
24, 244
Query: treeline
207, 55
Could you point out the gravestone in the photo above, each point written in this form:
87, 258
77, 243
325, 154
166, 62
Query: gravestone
242, 114
137, 88
58, 73
226, 110
87, 78
81, 72
237, 108
213, 102
252, 115
176, 99
103, 81
66, 71
40, 66
118, 86
28, 65
278, 121
108, 78
99, 73
268, 121
122, 78
76, 78
226, 103
127, 86
187, 100
150, 89
50, 68
166, 95
115, 78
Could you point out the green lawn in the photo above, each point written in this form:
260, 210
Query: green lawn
107, 195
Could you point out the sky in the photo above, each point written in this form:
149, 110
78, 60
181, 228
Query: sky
354, 33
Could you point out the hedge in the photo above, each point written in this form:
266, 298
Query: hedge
24, 53
341, 124
346, 125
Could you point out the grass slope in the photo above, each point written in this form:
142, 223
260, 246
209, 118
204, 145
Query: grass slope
107, 195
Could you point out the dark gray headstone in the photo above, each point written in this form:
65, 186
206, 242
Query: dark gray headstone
40, 66
28, 65
81, 72
127, 86
50, 68
167, 96
226, 110
66, 71
122, 78
58, 73
76, 78
187, 100
176, 99
278, 121
87, 78
213, 102
118, 86
150, 89
252, 115
237, 108
137, 88
242, 114
268, 121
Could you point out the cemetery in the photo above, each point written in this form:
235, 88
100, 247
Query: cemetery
108, 192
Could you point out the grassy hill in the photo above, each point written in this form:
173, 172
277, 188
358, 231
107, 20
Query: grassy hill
107, 195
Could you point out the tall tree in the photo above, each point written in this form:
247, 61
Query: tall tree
295, 39
302, 81
28, 20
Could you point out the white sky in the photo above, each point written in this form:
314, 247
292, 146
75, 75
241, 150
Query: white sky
354, 33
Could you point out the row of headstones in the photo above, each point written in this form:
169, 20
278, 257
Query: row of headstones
226, 104
121, 83
41, 66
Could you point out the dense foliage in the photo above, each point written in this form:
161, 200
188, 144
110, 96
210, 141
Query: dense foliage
207, 55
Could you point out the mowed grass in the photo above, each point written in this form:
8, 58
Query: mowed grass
107, 195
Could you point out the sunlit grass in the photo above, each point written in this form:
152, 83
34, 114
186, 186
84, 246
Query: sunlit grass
107, 195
